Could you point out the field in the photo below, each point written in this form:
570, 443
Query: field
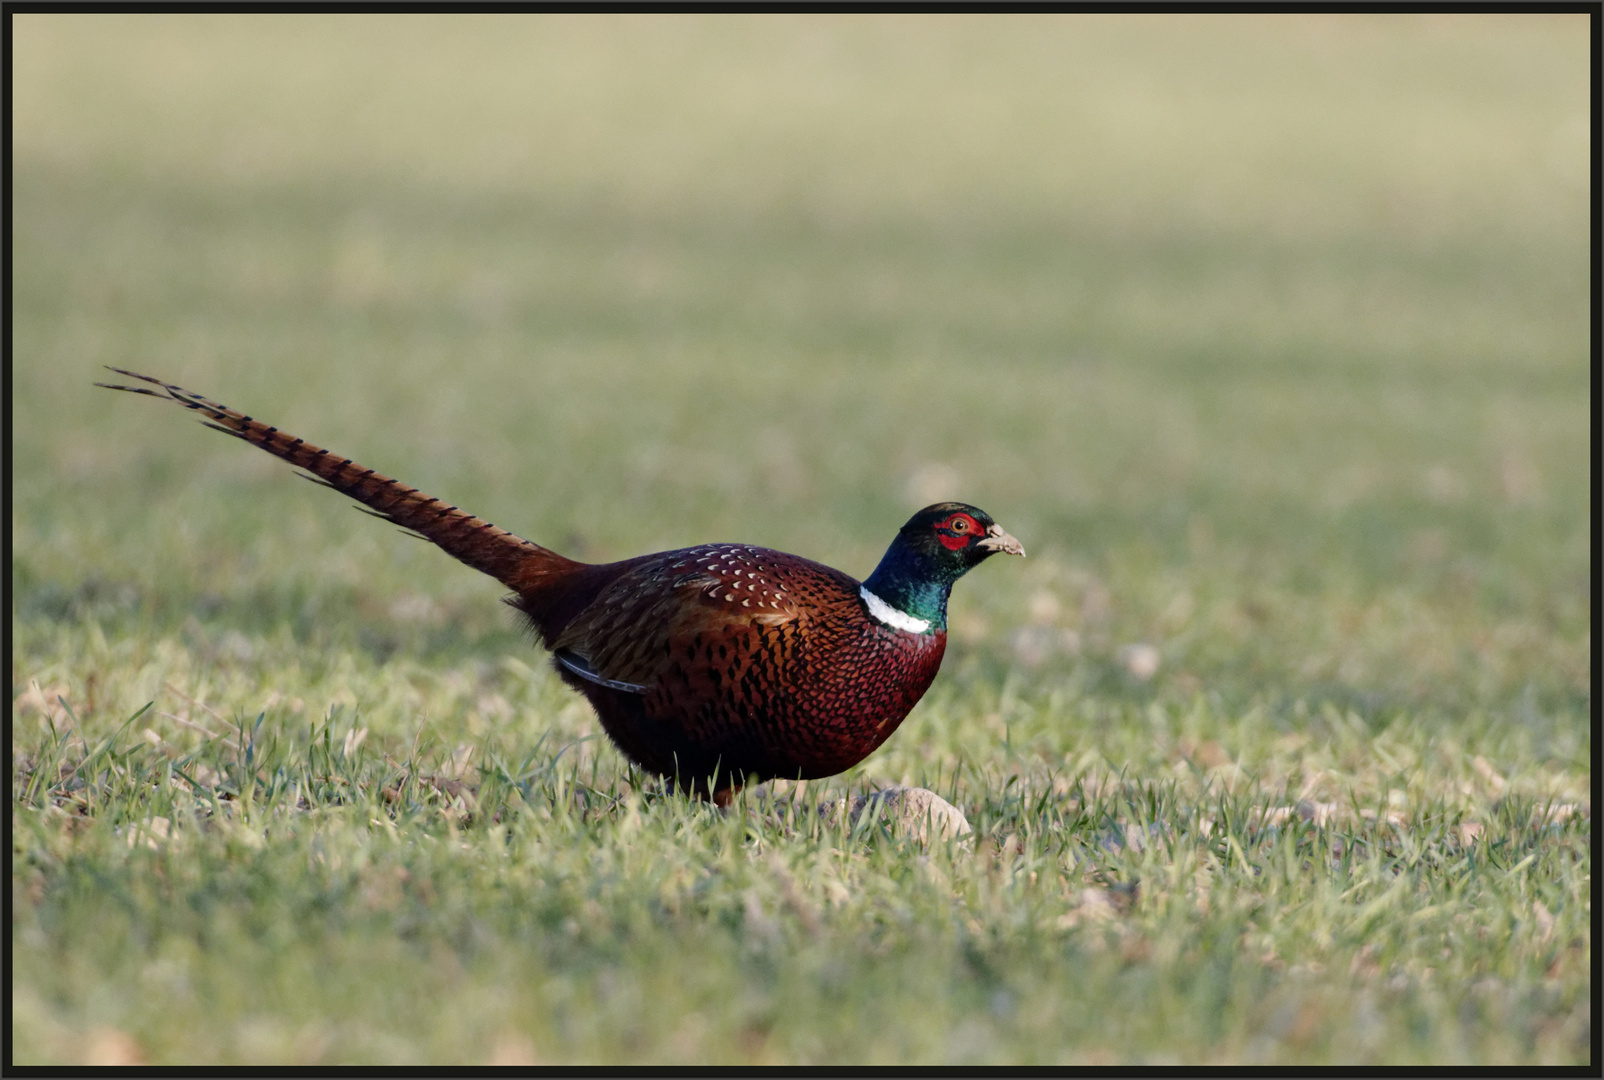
1268, 337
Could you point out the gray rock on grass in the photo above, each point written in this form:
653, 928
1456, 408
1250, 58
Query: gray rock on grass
911, 811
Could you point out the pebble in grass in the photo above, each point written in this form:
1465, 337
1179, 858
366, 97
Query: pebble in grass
914, 811
910, 811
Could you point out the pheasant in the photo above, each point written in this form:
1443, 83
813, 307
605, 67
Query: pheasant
714, 665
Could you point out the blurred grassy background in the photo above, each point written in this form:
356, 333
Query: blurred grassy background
1293, 304
1268, 336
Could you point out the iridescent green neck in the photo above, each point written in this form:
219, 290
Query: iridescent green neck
908, 582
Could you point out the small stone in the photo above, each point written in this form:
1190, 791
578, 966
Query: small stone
1044, 608
1320, 813
1141, 660
513, 1049
107, 1046
913, 811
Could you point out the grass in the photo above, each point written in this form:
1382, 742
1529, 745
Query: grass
1267, 336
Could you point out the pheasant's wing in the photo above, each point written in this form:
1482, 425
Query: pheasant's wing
698, 610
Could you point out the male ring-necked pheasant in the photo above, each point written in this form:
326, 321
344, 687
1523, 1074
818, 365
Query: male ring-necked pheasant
712, 665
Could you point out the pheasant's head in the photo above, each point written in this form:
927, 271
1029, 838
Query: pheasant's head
935, 548
955, 536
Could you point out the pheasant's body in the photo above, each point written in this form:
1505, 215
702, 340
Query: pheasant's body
735, 658
711, 664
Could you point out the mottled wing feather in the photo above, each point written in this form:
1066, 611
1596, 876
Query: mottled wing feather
662, 610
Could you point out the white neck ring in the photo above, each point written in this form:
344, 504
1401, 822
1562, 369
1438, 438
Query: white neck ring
890, 616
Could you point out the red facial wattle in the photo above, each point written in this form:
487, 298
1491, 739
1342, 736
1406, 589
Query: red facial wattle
958, 531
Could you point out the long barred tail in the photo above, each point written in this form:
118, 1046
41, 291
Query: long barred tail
508, 558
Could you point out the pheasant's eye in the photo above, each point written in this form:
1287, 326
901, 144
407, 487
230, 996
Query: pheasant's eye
959, 525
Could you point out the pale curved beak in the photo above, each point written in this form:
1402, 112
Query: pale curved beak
999, 542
